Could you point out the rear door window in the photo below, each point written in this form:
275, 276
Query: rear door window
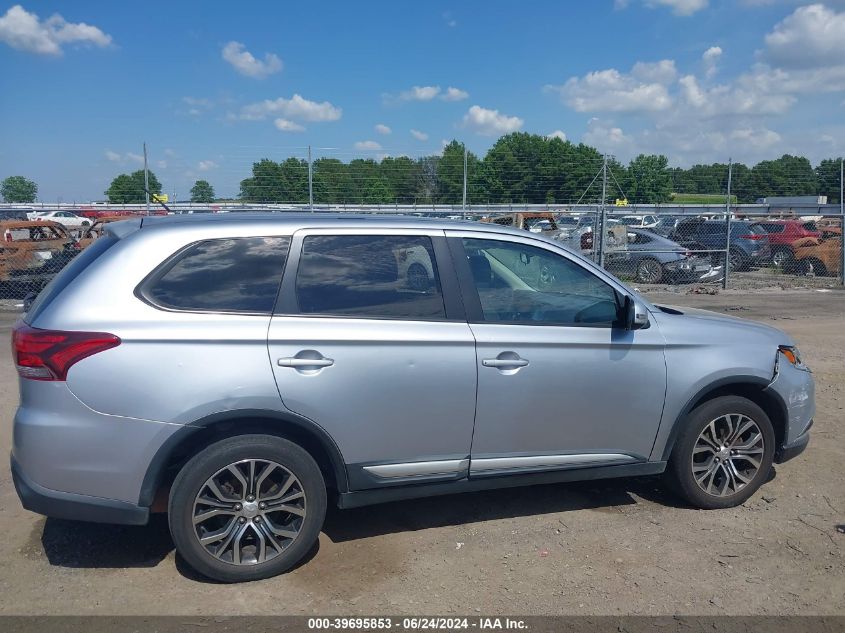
369, 276
225, 275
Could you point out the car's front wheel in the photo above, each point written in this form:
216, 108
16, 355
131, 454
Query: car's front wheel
247, 507
723, 454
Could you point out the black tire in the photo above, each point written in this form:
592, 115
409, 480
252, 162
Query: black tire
738, 259
649, 271
193, 477
812, 266
680, 468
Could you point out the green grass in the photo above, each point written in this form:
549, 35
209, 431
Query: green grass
701, 198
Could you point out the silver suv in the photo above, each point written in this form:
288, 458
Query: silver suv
242, 370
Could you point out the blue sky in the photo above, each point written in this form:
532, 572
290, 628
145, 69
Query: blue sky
212, 86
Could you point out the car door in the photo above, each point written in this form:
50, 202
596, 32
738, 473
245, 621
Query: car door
370, 341
559, 384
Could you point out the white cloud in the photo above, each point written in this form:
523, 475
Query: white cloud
605, 136
810, 37
135, 158
161, 164
288, 126
490, 122
381, 128
206, 165
679, 7
711, 58
247, 64
27, 32
454, 94
450, 21
296, 107
662, 72
420, 136
367, 146
420, 93
113, 156
557, 134
612, 91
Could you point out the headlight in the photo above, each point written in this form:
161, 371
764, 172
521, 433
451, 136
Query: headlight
790, 353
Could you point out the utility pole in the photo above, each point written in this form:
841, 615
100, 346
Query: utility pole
599, 244
310, 182
728, 227
464, 202
146, 179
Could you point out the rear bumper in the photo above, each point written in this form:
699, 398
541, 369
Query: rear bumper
68, 505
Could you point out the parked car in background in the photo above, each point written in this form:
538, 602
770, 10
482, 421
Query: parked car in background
749, 242
96, 229
667, 223
615, 244
32, 251
653, 259
782, 234
246, 371
639, 221
821, 255
540, 222
65, 218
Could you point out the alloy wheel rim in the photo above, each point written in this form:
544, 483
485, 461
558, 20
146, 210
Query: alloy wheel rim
727, 455
249, 512
649, 271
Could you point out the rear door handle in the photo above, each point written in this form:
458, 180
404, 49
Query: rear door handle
504, 363
498, 362
305, 362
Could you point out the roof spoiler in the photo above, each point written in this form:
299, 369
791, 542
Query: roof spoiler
122, 228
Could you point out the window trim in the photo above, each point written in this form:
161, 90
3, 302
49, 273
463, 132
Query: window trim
142, 289
472, 301
288, 306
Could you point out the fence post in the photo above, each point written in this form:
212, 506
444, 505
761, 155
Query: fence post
602, 220
464, 200
310, 183
728, 227
842, 220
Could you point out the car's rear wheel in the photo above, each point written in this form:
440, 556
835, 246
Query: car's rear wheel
649, 271
782, 258
247, 508
737, 259
724, 453
812, 266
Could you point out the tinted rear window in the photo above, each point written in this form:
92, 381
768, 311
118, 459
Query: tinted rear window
67, 275
227, 275
380, 276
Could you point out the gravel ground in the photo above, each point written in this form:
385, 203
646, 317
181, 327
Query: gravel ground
615, 547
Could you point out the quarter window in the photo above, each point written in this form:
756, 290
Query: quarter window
518, 283
378, 276
227, 275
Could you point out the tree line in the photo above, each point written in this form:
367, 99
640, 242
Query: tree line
518, 168
528, 168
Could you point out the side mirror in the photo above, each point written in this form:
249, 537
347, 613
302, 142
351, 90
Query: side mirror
635, 314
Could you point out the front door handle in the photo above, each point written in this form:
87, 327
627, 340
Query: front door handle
306, 360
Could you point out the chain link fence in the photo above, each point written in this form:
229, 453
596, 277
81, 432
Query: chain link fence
751, 246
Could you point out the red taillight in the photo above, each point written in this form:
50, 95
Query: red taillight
586, 241
49, 354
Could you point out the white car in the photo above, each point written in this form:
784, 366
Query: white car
65, 218
640, 221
